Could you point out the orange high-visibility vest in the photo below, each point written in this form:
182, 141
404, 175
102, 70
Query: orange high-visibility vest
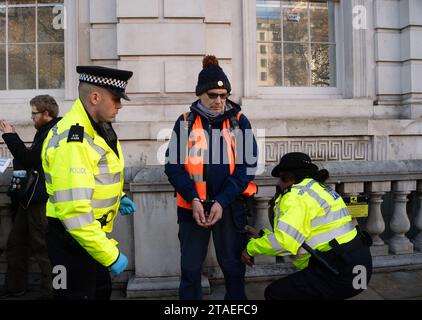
194, 160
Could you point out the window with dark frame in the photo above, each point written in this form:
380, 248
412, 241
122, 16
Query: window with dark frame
263, 76
300, 43
263, 63
31, 44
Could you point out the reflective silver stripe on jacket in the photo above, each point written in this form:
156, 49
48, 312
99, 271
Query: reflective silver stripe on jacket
54, 130
329, 235
330, 217
97, 148
277, 210
322, 203
103, 165
79, 221
107, 178
275, 245
56, 138
305, 187
47, 178
291, 231
103, 203
72, 195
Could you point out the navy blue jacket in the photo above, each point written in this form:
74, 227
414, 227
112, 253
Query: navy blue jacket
221, 186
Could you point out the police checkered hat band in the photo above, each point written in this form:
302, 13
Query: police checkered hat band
115, 80
103, 81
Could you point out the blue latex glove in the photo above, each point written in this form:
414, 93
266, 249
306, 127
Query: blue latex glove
119, 266
126, 206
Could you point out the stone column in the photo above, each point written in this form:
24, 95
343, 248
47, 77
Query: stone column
417, 242
400, 224
375, 224
261, 222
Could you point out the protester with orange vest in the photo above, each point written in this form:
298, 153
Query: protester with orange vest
211, 161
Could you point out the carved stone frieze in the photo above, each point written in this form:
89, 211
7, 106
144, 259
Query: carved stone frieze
321, 149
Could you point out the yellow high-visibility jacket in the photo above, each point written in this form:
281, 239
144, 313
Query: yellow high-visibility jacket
308, 212
84, 180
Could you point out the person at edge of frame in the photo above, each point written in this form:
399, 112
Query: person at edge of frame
29, 197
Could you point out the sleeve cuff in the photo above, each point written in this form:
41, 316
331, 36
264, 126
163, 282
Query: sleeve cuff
248, 249
222, 201
117, 258
190, 199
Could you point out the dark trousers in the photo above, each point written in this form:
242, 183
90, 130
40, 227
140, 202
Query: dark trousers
84, 278
316, 282
229, 244
27, 238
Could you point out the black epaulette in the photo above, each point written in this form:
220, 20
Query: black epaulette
76, 133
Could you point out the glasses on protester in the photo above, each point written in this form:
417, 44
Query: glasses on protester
222, 96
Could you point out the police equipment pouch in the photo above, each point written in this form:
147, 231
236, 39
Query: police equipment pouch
207, 204
22, 186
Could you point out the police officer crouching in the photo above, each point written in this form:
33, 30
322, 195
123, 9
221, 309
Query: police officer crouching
83, 164
311, 215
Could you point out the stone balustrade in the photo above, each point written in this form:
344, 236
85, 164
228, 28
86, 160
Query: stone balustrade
379, 179
391, 217
394, 189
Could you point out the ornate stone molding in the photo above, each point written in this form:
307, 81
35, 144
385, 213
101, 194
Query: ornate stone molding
320, 149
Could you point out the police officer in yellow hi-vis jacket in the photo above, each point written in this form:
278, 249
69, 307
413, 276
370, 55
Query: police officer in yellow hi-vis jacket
83, 165
311, 215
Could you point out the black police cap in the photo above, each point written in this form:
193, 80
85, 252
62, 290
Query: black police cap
294, 161
115, 80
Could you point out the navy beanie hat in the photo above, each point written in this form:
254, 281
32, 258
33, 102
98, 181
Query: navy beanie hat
211, 76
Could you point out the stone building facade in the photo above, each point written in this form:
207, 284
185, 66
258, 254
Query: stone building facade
363, 106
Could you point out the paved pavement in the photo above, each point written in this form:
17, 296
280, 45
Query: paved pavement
397, 285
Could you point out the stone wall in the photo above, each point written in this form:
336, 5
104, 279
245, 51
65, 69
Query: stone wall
398, 27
